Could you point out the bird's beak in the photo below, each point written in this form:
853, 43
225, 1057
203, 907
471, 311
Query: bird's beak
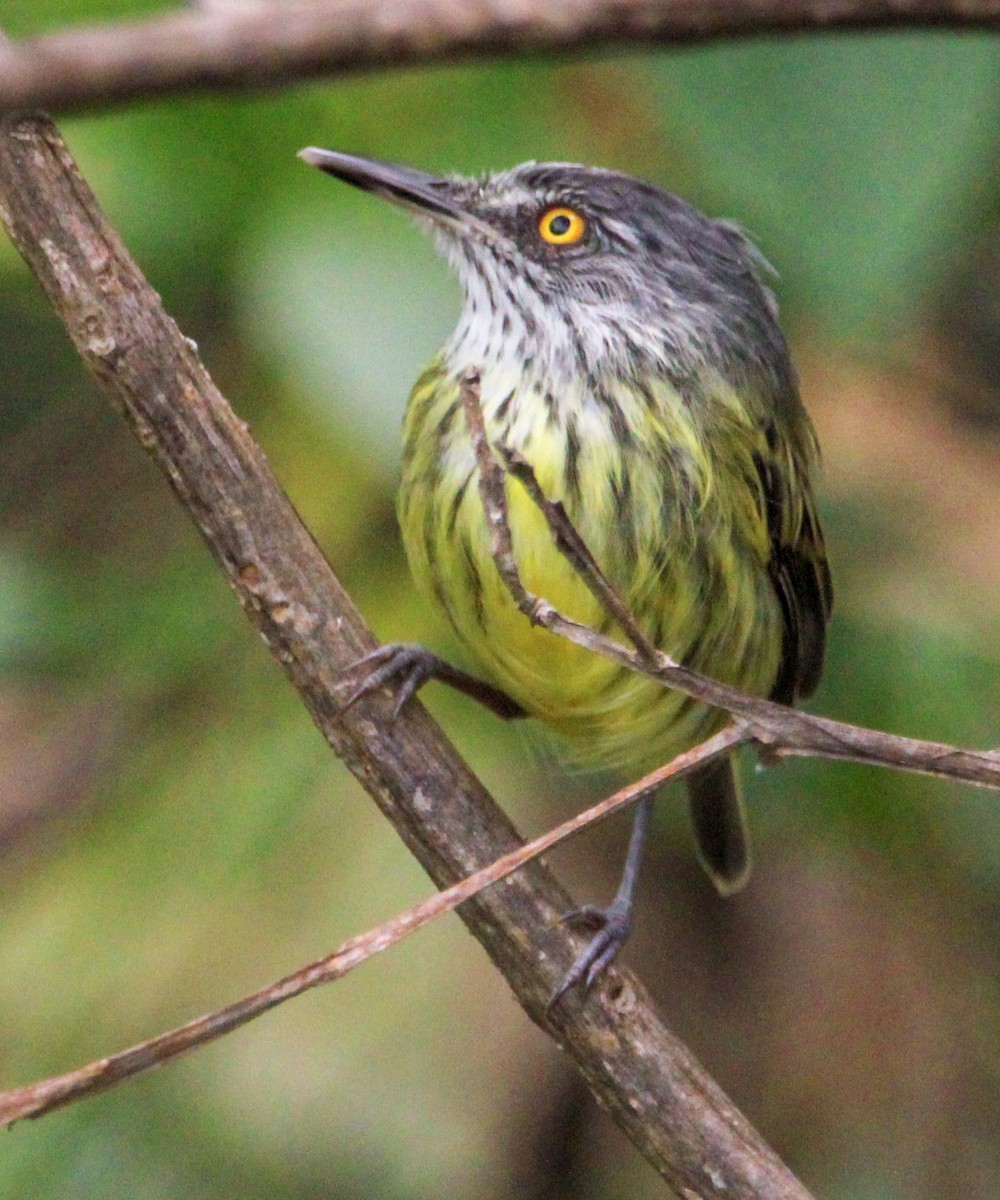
431, 196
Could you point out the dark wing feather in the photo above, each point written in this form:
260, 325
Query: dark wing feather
800, 573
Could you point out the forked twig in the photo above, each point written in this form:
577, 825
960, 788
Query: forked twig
783, 730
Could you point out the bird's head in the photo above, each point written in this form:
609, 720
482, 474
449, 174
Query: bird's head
582, 269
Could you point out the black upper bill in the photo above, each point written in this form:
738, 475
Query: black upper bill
404, 185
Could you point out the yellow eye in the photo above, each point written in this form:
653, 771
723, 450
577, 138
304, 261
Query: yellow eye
561, 226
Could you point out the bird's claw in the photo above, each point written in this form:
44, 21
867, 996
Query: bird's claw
611, 927
409, 664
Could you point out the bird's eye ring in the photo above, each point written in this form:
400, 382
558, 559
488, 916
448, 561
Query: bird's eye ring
561, 226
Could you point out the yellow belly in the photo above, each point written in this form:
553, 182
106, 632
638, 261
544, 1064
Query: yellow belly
670, 533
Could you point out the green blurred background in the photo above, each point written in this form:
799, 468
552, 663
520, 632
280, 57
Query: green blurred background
173, 831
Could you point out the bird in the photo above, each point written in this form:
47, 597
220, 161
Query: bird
628, 350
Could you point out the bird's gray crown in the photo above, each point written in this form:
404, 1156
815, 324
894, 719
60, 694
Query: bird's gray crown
652, 284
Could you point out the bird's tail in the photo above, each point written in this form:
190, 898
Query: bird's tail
720, 826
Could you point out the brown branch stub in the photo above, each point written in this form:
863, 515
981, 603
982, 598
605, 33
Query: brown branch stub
493, 497
648, 1081
261, 44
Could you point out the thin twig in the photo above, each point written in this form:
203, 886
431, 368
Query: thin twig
256, 45
782, 729
36, 1099
648, 1081
567, 539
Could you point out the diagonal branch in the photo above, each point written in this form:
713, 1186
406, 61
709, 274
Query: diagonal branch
648, 1081
260, 44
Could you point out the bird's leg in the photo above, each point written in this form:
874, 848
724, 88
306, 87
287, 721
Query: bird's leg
411, 666
613, 924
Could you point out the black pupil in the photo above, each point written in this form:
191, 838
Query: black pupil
559, 225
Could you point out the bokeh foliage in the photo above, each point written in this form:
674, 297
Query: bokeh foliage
174, 832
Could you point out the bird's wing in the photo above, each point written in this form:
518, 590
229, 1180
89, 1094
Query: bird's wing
799, 570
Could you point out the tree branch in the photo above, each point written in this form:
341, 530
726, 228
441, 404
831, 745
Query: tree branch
262, 44
647, 1080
